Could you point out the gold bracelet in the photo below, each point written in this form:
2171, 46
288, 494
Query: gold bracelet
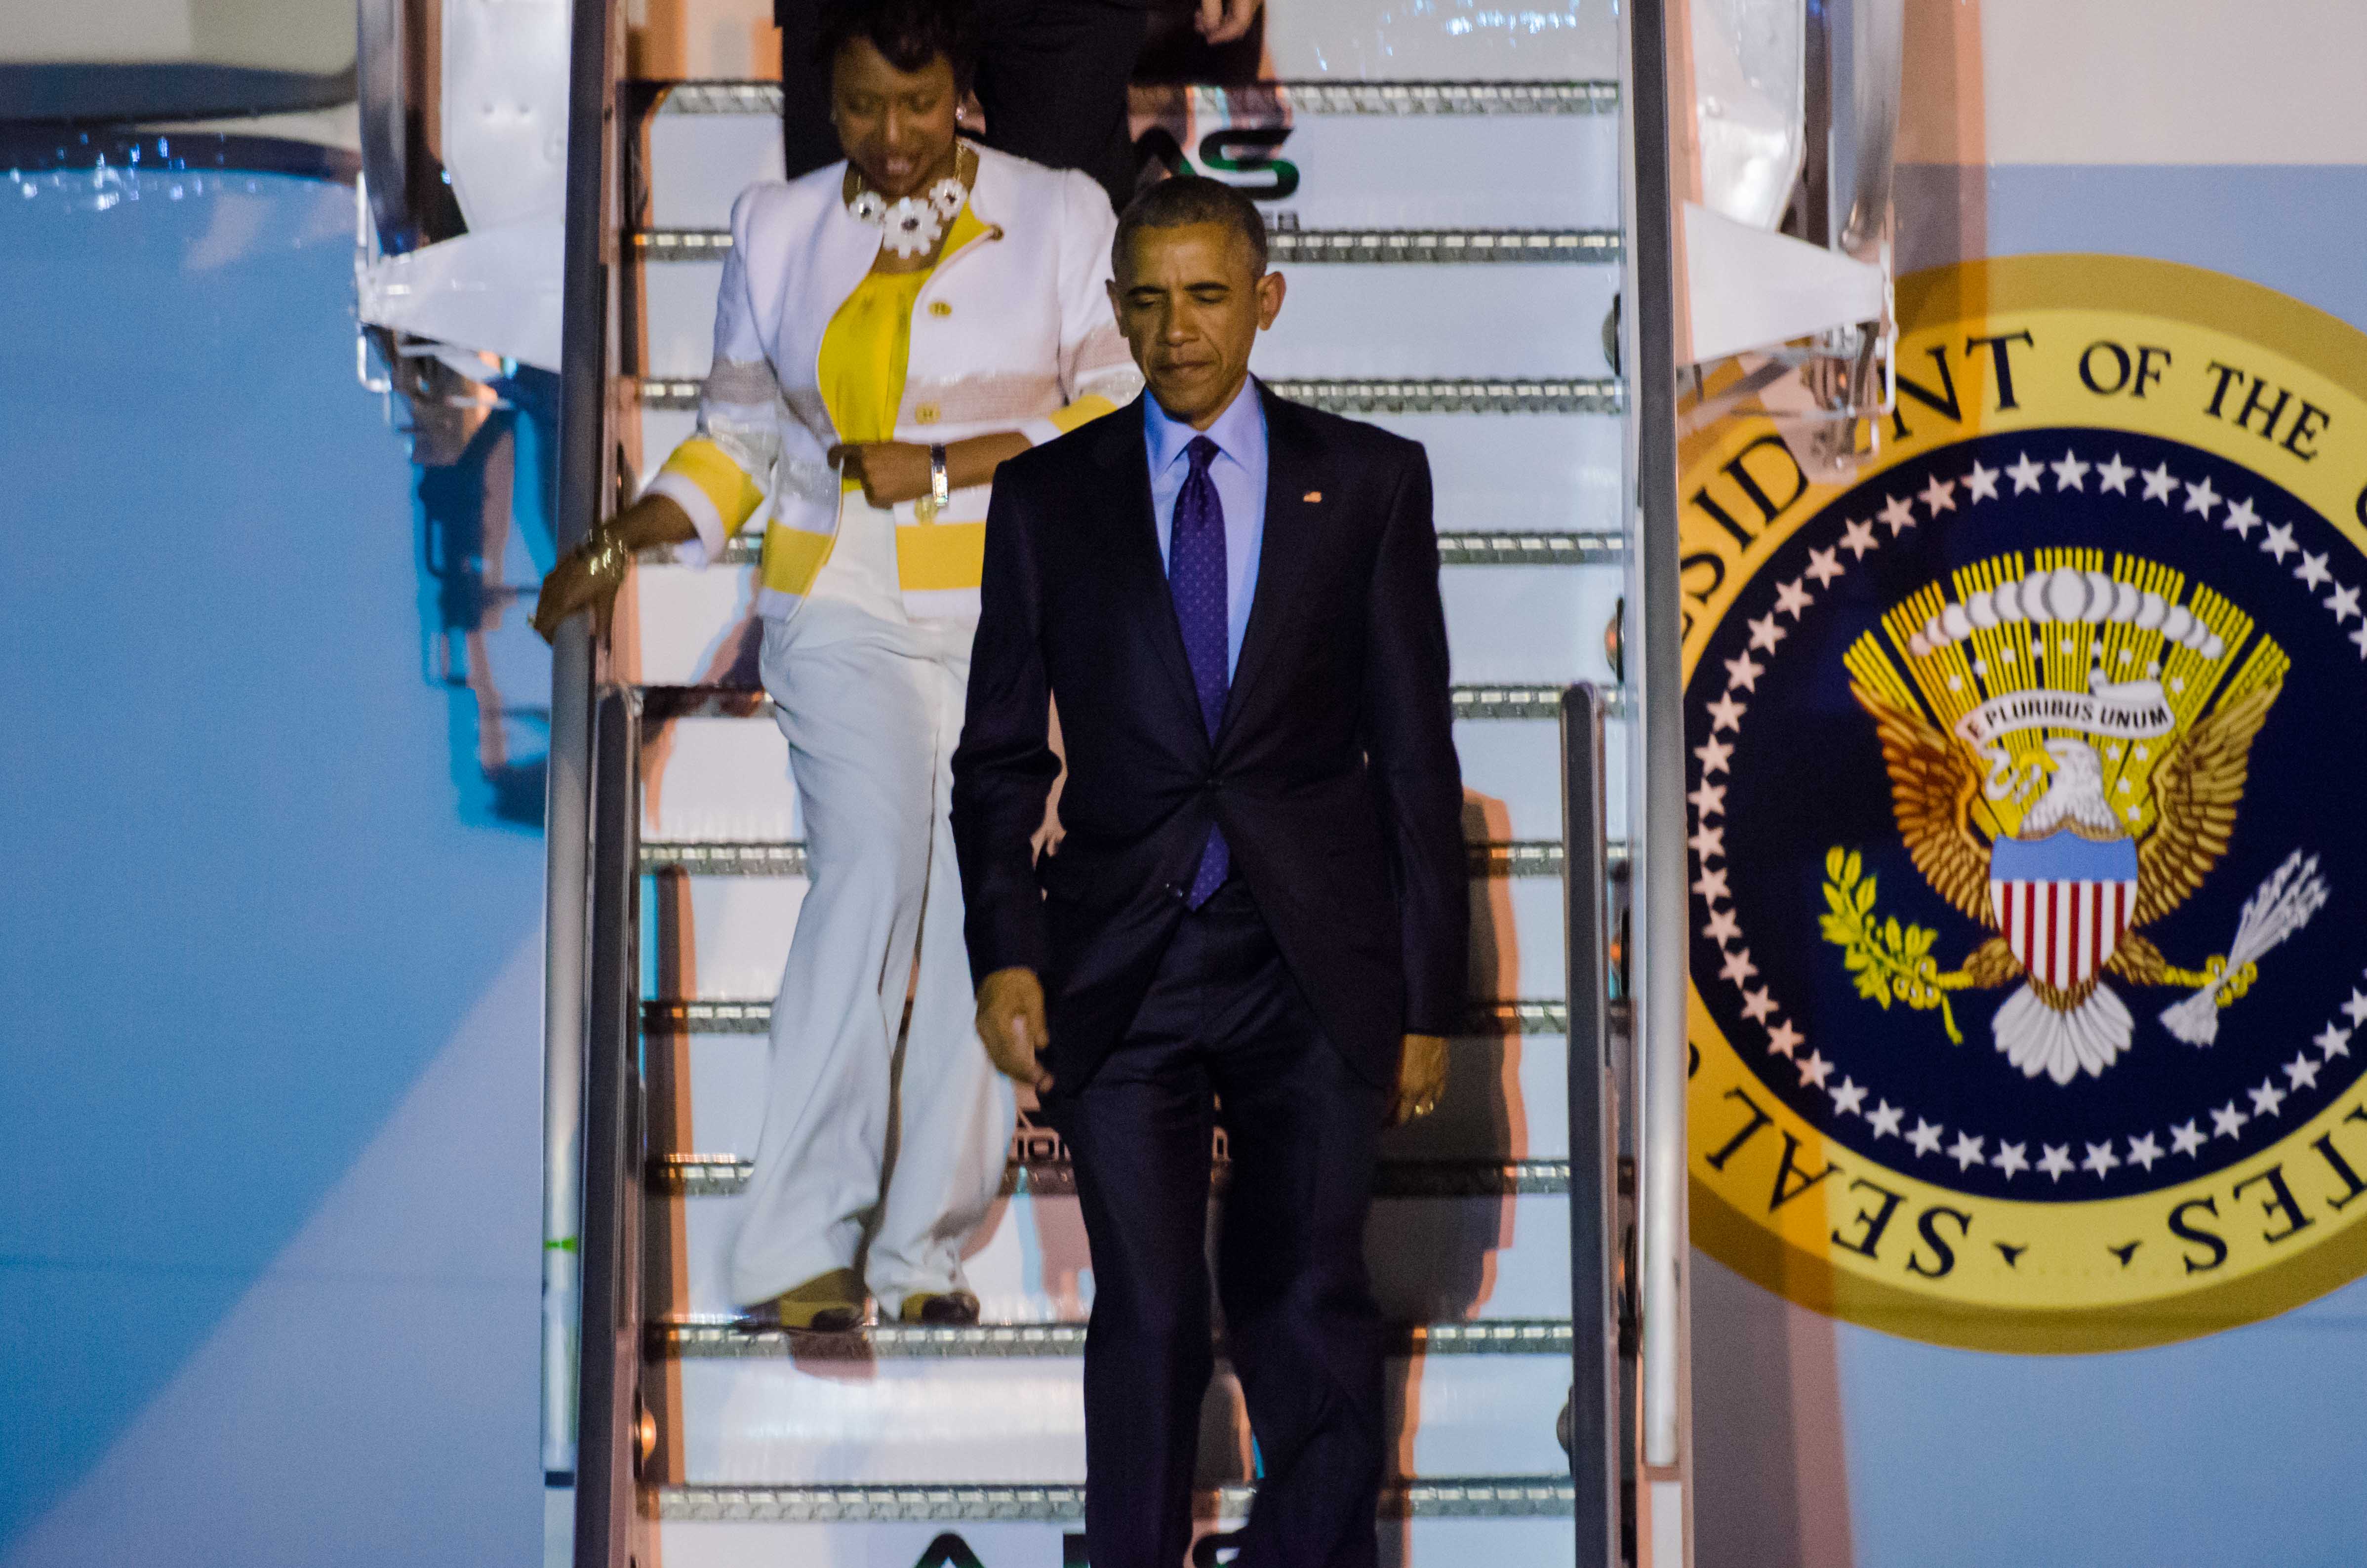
604, 559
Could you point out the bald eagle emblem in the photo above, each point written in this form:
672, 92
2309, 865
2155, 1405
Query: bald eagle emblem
2067, 747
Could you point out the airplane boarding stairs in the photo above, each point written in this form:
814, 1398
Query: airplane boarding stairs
872, 1448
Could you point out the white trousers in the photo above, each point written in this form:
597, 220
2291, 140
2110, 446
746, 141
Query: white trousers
857, 1136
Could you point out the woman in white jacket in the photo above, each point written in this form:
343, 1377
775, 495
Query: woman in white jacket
889, 329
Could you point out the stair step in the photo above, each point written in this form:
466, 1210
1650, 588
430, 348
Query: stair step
1531, 549
721, 778
1507, 623
1488, 859
1317, 95
1348, 394
1575, 549
1431, 1258
1543, 459
1345, 320
1359, 156
724, 940
1520, 1497
1530, 485
1546, 1540
663, 703
1377, 247
692, 1338
1020, 1420
722, 1176
1506, 1100
755, 1016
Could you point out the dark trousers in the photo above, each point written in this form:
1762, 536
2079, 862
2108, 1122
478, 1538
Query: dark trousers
1224, 1022
1051, 77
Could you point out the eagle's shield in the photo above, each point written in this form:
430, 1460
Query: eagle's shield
2062, 902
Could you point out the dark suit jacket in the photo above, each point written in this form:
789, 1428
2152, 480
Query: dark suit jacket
1334, 772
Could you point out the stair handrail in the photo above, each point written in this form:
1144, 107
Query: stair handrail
576, 860
1593, 1428
616, 1432
1652, 664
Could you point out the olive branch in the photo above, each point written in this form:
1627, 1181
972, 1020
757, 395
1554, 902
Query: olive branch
1890, 960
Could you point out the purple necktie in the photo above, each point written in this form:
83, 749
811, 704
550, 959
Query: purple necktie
1195, 576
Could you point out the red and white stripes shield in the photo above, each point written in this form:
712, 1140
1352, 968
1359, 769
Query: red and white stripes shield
2063, 932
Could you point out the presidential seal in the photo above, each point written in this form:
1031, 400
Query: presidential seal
2026, 879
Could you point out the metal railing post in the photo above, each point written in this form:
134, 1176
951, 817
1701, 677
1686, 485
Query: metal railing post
1657, 823
567, 829
1594, 1454
585, 348
608, 1451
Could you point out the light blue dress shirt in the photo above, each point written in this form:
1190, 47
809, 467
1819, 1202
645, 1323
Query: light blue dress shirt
1238, 473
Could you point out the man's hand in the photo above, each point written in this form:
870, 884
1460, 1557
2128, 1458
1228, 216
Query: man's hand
889, 471
1422, 1077
1011, 1025
1222, 22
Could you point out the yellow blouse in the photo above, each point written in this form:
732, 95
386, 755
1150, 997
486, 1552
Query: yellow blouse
864, 351
869, 340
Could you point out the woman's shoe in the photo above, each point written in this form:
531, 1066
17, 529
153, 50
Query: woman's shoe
827, 1303
952, 1309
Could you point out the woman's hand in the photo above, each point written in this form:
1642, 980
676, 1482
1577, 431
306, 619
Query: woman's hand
588, 578
889, 471
569, 587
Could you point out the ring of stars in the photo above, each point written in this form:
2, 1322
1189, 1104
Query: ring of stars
1926, 1139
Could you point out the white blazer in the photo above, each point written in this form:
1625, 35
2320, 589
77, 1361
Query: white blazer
1012, 331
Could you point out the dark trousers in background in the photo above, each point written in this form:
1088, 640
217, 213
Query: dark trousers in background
1224, 1020
1051, 77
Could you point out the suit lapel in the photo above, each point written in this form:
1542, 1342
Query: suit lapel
1140, 573
1292, 473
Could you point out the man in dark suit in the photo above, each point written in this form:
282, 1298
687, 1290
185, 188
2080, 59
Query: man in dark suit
1258, 912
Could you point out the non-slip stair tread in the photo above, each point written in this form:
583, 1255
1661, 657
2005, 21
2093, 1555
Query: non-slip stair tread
1495, 1497
1505, 703
721, 1175
1576, 548
724, 1338
1356, 395
1417, 247
717, 95
1525, 1016
1467, 547
1488, 858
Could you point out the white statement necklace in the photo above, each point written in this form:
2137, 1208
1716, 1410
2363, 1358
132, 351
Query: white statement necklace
912, 225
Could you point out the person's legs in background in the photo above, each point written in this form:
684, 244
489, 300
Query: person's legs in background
807, 139
1052, 77
1174, 51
